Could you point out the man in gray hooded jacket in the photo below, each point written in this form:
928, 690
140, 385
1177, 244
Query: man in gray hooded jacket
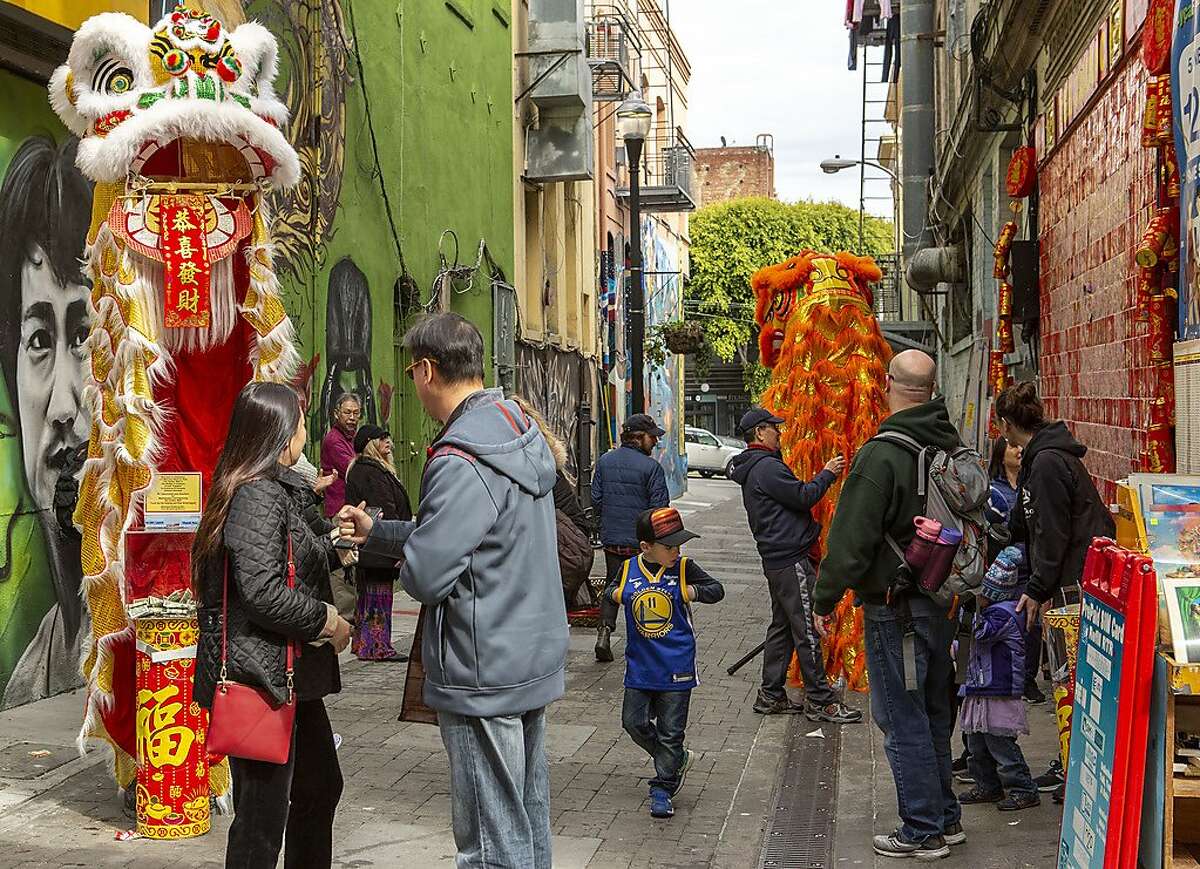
482, 556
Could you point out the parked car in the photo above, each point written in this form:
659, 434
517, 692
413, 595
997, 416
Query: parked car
706, 454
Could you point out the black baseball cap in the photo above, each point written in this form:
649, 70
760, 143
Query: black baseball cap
755, 417
664, 526
366, 434
642, 423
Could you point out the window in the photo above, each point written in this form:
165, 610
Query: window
709, 441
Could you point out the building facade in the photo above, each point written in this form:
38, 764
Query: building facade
731, 172
1066, 79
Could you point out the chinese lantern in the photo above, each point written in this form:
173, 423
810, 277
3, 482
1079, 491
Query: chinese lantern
1022, 173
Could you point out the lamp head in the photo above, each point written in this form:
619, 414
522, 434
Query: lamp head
634, 117
837, 164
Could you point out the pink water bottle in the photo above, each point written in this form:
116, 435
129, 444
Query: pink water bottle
921, 547
941, 560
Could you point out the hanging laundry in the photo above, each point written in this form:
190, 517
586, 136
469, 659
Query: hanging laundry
891, 50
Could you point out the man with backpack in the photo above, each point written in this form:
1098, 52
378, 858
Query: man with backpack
908, 633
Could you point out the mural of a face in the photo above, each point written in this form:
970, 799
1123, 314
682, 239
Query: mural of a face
44, 211
50, 359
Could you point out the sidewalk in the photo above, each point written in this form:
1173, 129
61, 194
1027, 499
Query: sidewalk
395, 810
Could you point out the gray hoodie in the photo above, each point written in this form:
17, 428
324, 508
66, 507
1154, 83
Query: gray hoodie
483, 556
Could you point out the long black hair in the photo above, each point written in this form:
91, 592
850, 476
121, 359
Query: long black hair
996, 469
264, 419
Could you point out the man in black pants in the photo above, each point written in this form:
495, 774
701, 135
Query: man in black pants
778, 506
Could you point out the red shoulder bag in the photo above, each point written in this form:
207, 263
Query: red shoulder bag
245, 721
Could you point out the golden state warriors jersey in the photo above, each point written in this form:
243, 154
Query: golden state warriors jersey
660, 646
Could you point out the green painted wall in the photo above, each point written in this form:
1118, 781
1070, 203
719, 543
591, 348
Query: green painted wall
440, 95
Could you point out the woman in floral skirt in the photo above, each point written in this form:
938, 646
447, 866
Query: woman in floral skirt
372, 478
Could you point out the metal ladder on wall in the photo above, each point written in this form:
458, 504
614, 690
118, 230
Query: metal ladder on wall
875, 86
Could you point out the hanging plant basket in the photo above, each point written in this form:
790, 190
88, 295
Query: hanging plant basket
683, 337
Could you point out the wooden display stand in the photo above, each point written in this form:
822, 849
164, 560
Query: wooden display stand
1181, 803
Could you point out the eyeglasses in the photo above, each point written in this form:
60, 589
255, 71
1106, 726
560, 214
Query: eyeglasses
411, 370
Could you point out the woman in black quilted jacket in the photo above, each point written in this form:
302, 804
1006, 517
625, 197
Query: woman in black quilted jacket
256, 506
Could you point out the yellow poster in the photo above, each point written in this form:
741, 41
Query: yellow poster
72, 13
174, 494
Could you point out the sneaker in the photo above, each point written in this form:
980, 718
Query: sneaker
688, 759
604, 644
1051, 779
954, 834
765, 705
895, 845
1060, 793
961, 769
660, 804
977, 795
1034, 695
1017, 801
834, 713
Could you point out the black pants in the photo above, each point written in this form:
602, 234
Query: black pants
298, 797
608, 609
792, 630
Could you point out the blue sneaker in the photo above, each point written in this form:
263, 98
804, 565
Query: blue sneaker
688, 759
660, 804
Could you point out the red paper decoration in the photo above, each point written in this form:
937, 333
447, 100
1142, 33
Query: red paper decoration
1022, 173
1003, 245
1156, 37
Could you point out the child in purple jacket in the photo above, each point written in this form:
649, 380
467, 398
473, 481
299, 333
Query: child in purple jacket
993, 711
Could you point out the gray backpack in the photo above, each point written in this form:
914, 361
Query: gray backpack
955, 487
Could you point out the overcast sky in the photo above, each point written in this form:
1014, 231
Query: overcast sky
766, 66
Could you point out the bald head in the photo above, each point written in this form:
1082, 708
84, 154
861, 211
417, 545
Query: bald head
911, 377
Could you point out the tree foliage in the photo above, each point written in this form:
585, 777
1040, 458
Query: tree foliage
732, 240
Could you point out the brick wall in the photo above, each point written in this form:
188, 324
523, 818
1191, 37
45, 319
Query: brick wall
1097, 195
730, 173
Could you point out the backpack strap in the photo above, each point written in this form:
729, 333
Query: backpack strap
911, 446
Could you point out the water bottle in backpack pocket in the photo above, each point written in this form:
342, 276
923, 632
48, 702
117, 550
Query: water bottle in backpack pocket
955, 489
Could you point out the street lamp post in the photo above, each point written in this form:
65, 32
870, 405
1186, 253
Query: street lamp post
837, 164
634, 117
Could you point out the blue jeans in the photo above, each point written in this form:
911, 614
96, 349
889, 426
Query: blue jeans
656, 721
996, 762
499, 789
916, 724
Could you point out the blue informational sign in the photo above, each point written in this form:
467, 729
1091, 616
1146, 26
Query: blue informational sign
1093, 736
1185, 100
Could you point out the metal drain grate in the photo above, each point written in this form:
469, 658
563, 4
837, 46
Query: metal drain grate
800, 831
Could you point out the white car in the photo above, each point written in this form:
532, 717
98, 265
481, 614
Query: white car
707, 454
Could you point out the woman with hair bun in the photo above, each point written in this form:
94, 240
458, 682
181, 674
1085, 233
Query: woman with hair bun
1058, 509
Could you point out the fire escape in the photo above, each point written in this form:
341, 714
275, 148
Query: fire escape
633, 49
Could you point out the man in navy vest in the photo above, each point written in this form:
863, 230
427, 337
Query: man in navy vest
626, 483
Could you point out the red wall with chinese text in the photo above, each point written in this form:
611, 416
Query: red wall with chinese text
1097, 195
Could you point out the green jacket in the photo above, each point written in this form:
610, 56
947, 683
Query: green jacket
878, 497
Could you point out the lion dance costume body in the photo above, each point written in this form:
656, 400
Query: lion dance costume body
180, 131
828, 362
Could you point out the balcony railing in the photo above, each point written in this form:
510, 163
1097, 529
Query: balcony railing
668, 175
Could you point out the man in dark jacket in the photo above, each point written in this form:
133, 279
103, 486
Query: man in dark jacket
879, 498
626, 483
779, 510
482, 558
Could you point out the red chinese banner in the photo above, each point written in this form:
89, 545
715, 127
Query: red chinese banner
1022, 173
172, 780
1156, 37
186, 266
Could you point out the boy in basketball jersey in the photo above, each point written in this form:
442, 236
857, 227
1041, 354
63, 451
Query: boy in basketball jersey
656, 589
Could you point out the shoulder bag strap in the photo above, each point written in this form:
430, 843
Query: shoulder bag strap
291, 646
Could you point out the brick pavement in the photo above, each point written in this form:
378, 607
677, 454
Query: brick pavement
395, 809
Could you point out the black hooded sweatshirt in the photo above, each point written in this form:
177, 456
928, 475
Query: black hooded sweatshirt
778, 505
1058, 510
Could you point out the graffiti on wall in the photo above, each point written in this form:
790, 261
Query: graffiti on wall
664, 383
554, 382
45, 210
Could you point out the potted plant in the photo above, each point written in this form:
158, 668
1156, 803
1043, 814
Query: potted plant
683, 336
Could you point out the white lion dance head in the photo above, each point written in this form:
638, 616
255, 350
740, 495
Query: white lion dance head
180, 131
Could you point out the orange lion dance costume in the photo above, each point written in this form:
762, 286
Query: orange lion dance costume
819, 337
